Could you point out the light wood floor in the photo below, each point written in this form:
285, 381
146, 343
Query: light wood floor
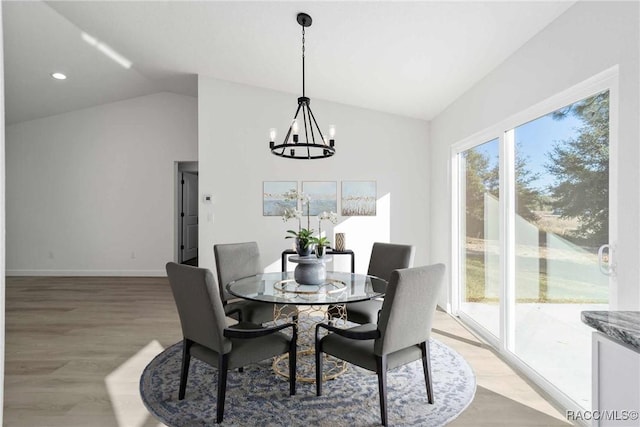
75, 348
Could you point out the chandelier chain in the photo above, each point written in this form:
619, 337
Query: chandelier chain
303, 83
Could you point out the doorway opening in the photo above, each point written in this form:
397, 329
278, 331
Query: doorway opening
186, 248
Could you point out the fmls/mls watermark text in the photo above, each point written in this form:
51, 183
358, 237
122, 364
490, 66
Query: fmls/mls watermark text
608, 415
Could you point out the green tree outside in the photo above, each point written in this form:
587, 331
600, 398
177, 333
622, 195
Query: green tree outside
581, 169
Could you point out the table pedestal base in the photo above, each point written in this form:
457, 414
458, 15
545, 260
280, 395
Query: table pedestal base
308, 317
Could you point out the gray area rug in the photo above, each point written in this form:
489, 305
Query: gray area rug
258, 397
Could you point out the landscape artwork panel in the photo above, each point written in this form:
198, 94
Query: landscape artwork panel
359, 198
273, 197
324, 196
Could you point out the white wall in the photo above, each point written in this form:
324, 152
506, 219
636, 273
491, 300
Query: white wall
586, 40
234, 121
91, 192
2, 219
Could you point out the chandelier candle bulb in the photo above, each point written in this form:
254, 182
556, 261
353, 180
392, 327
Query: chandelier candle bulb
272, 137
295, 130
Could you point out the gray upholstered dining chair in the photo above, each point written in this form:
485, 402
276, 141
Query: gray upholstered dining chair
235, 261
207, 337
385, 257
400, 336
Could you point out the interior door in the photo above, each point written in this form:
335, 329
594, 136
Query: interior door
189, 216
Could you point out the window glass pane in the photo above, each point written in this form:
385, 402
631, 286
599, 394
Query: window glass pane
562, 218
479, 234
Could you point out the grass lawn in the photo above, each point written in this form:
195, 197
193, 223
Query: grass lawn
475, 285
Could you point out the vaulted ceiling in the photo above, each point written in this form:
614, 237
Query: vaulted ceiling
406, 58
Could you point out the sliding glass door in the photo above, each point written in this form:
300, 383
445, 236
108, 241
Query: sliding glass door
533, 212
479, 245
561, 220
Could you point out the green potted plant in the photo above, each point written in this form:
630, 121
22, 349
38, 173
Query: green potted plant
303, 238
321, 243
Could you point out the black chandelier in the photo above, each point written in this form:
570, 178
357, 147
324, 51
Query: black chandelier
314, 147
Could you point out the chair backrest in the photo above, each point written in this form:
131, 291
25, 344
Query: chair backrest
386, 257
408, 308
199, 306
235, 261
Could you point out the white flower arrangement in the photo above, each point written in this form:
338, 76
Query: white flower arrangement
305, 199
292, 214
331, 216
303, 234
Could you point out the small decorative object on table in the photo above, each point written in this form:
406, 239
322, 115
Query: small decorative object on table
340, 242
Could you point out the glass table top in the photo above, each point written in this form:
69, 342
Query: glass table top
281, 288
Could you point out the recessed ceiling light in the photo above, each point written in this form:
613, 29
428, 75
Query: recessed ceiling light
58, 76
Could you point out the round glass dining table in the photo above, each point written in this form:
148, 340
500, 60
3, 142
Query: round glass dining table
282, 288
313, 304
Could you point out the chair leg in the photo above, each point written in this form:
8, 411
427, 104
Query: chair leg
184, 372
426, 366
293, 350
318, 373
318, 365
223, 365
381, 367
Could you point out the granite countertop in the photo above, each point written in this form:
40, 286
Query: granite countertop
623, 326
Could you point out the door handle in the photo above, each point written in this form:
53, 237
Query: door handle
607, 266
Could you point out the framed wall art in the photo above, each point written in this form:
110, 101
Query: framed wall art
358, 198
324, 196
273, 197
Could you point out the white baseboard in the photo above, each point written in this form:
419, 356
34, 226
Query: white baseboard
109, 273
